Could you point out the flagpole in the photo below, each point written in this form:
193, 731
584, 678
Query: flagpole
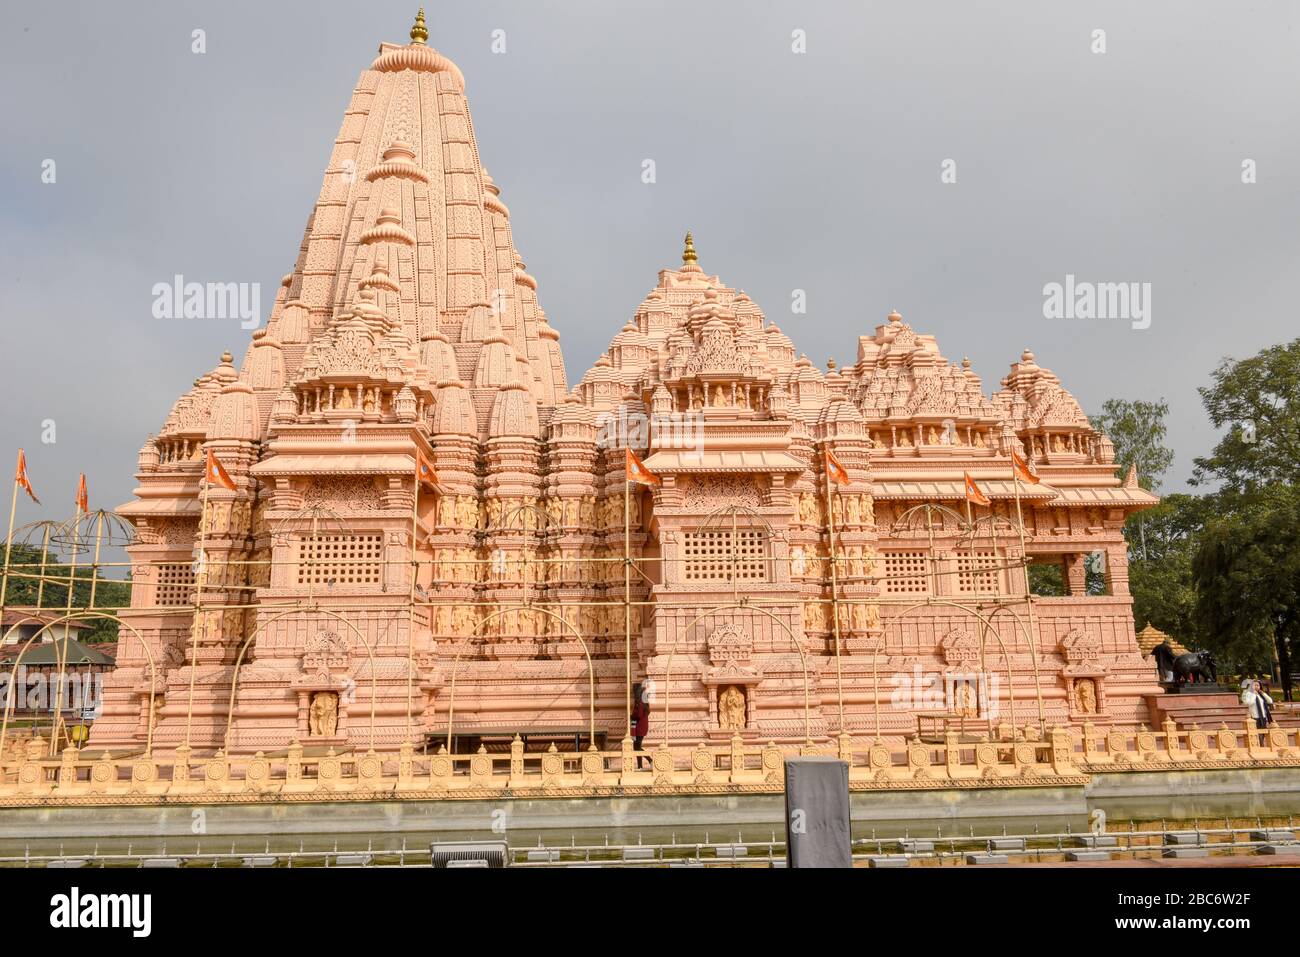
9, 545
198, 603
1029, 597
410, 621
67, 612
976, 586
835, 606
627, 595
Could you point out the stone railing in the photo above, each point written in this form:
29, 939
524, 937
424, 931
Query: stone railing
27, 777
1062, 759
1099, 749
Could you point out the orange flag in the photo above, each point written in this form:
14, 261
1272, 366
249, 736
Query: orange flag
973, 493
424, 470
21, 477
838, 473
217, 474
1020, 468
637, 472
83, 496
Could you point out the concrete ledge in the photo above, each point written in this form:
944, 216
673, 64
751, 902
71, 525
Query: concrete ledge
888, 860
730, 850
1008, 843
1280, 849
986, 859
916, 847
1087, 855
1182, 852
1274, 835
1097, 840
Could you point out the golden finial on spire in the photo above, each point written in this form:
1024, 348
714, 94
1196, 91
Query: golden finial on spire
688, 254
419, 32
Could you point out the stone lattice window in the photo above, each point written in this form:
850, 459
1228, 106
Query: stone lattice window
175, 584
977, 571
906, 573
340, 560
708, 555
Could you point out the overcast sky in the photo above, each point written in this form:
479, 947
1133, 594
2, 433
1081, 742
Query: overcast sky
818, 171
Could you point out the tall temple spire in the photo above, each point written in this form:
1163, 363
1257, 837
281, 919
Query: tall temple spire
688, 254
419, 32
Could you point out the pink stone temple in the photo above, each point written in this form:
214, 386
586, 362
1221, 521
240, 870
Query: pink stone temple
409, 327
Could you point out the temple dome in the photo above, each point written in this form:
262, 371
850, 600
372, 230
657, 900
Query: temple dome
496, 364
234, 413
514, 412
454, 412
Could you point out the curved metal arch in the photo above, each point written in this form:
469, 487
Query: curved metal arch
1033, 654
803, 662
903, 522
153, 668
1006, 659
239, 661
591, 673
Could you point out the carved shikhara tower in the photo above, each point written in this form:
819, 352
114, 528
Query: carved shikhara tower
409, 326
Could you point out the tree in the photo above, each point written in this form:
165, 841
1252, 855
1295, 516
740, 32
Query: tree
1137, 429
25, 589
1247, 576
1258, 401
1247, 568
1162, 585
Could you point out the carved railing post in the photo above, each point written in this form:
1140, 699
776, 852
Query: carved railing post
737, 758
68, 769
662, 765
951, 754
773, 765
440, 770
517, 762
1062, 751
1170, 729
181, 768
1090, 753
1225, 742
627, 762
257, 774
592, 765
552, 768
845, 748
293, 765
480, 768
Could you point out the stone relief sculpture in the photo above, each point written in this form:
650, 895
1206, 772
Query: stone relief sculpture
731, 709
324, 714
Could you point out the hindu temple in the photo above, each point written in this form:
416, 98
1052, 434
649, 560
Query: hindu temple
430, 530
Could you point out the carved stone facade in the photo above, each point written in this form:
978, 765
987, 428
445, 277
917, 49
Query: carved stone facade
409, 330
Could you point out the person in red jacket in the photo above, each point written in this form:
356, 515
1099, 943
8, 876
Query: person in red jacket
640, 721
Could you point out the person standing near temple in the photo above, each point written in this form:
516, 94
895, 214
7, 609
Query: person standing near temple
640, 721
1258, 704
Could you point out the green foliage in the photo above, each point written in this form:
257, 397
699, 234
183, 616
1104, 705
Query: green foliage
1164, 594
1137, 429
1246, 568
1046, 579
1258, 401
25, 589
